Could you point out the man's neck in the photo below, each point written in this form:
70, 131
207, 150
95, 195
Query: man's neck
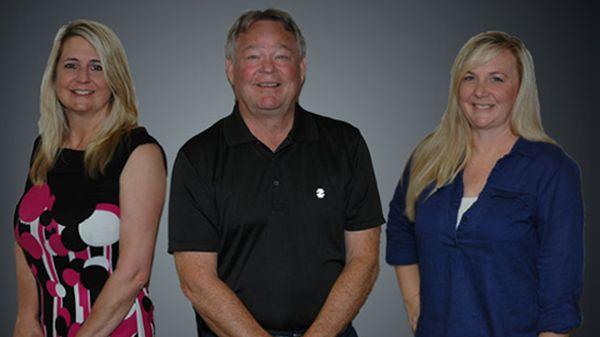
270, 129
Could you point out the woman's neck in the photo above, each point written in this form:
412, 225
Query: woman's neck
82, 129
493, 143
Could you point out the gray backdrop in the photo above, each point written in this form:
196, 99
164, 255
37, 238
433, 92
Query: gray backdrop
381, 65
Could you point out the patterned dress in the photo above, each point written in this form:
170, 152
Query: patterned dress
68, 229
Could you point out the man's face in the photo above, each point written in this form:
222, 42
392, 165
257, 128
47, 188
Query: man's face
267, 73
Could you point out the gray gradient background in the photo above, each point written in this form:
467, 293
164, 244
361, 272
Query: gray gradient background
381, 65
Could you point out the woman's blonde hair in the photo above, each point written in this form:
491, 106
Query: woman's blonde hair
53, 124
442, 154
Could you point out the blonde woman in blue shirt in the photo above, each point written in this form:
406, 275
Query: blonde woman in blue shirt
486, 226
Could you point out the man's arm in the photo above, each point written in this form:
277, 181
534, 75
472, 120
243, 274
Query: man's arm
220, 308
352, 287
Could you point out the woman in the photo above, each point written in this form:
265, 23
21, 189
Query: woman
485, 227
86, 225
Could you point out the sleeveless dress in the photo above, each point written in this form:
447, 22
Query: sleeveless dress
68, 229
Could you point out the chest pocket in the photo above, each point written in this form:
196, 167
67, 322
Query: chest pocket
509, 216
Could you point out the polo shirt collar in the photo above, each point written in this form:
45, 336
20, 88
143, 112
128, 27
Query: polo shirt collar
236, 132
305, 127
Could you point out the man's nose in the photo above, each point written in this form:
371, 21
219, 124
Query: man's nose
267, 65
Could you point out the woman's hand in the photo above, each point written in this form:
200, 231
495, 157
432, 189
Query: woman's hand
27, 323
413, 309
409, 282
28, 327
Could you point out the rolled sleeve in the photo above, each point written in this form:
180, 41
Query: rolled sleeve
401, 246
192, 215
560, 258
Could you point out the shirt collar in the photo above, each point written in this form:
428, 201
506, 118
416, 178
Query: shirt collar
305, 127
524, 147
236, 132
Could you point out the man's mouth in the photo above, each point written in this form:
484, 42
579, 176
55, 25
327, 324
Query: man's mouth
268, 84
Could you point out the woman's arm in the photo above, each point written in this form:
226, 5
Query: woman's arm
27, 323
401, 251
559, 223
142, 192
409, 282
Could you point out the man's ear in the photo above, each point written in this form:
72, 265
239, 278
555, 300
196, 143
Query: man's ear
229, 70
303, 69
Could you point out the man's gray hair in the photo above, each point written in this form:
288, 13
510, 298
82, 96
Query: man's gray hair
243, 23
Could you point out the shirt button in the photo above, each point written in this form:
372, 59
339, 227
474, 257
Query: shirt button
465, 219
275, 182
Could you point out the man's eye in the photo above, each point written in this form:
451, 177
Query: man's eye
252, 57
282, 57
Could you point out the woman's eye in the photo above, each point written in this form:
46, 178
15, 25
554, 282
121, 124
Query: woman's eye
252, 57
497, 79
96, 67
70, 65
468, 78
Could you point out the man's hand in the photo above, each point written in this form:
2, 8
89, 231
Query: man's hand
220, 308
352, 287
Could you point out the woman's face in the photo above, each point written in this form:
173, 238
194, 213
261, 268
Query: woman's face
488, 92
80, 83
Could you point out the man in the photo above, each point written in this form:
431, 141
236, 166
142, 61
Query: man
274, 211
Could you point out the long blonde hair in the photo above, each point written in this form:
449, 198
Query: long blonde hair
53, 124
442, 154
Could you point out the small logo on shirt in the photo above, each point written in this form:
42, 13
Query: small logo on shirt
320, 193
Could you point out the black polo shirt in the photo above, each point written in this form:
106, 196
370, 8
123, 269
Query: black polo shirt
276, 220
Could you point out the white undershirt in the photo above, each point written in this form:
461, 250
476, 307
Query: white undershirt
465, 204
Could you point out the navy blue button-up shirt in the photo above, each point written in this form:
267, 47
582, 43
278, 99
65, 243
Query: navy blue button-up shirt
514, 265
